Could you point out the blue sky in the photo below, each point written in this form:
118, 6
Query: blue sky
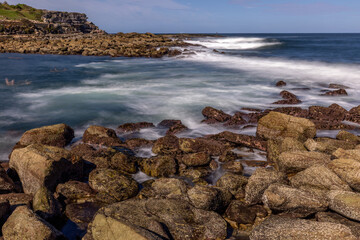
210, 16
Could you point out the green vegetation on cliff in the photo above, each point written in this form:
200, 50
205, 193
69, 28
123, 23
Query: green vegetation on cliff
19, 11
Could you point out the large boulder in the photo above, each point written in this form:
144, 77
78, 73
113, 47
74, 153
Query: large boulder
348, 170
196, 159
82, 213
159, 166
6, 183
40, 165
276, 227
24, 224
347, 136
276, 125
293, 162
240, 213
337, 218
318, 179
259, 181
346, 203
55, 135
101, 135
233, 183
100, 158
276, 147
241, 140
213, 115
280, 197
17, 199
45, 205
328, 145
112, 186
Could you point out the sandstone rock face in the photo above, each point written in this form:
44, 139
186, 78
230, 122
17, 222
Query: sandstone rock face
292, 162
277, 126
159, 166
299, 203
345, 203
40, 165
56, 135
24, 224
318, 179
101, 135
112, 186
348, 170
277, 227
261, 179
196, 159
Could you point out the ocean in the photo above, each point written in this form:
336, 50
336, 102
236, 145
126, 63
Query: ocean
82, 91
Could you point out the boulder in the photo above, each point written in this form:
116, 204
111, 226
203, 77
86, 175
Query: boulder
123, 163
40, 165
196, 159
238, 212
353, 115
318, 179
101, 135
276, 147
349, 154
277, 227
55, 135
134, 127
6, 183
327, 145
213, 115
100, 158
74, 191
289, 98
170, 188
242, 140
159, 166
177, 128
236, 120
278, 126
135, 143
345, 203
17, 199
293, 162
280, 84
348, 170
336, 218
347, 136
210, 146
259, 181
166, 145
195, 173
299, 203
24, 224
232, 182
112, 186
233, 166
336, 92
45, 205
82, 213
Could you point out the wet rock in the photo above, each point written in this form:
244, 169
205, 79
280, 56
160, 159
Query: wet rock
278, 126
170, 188
40, 165
276, 147
232, 182
123, 163
277, 227
74, 191
347, 136
336, 218
242, 140
17, 199
166, 145
338, 92
233, 166
45, 205
55, 135
134, 127
297, 202
289, 98
159, 166
101, 135
281, 84
213, 115
112, 186
337, 86
348, 170
177, 128
229, 156
349, 154
196, 159
259, 181
328, 117
354, 115
293, 162
318, 179
168, 123
136, 143
345, 203
236, 120
327, 145
24, 224
293, 111
210, 146
187, 222
82, 213
209, 198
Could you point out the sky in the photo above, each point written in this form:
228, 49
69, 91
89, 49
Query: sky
211, 16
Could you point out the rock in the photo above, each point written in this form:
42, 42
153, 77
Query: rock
168, 123
276, 147
345, 203
293, 162
170, 188
278, 126
233, 166
112, 186
195, 173
45, 205
346, 136
214, 165
337, 86
277, 227
336, 218
228, 156
348, 170
281, 84
328, 117
259, 181
327, 145
177, 128
6, 183
236, 120
166, 145
297, 202
293, 111
213, 115
289, 98
82, 213
159, 166
336, 92
101, 135
135, 143
134, 127
17, 199
238, 212
210, 146
123, 163
56, 135
349, 154
40, 165
187, 222
232, 182
242, 140
196, 159
318, 179
353, 115
209, 198
24, 224
100, 158
74, 191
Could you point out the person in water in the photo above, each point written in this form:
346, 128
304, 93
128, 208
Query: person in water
9, 82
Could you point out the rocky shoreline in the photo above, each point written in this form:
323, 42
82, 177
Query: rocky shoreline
308, 188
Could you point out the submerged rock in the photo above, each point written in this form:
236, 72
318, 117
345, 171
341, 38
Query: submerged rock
213, 115
134, 127
101, 135
336, 92
289, 98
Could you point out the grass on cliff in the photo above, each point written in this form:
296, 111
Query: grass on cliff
19, 11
